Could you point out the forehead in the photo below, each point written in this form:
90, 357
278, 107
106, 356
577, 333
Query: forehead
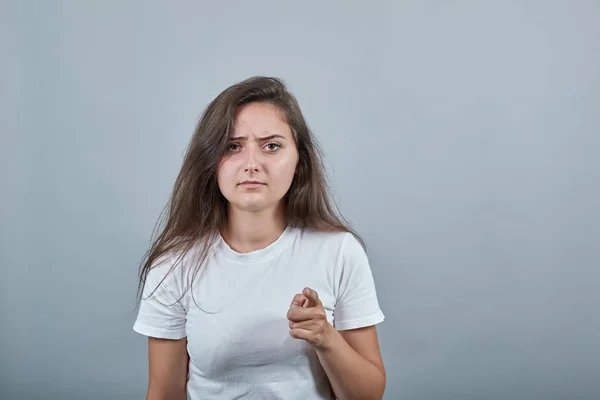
258, 119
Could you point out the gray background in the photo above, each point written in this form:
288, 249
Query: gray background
462, 141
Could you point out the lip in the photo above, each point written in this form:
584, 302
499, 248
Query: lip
252, 183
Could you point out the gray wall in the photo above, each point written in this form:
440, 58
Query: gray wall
462, 140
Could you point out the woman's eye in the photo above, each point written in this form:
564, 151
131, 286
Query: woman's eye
273, 146
234, 147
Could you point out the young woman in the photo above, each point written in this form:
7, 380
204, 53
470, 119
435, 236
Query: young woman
255, 288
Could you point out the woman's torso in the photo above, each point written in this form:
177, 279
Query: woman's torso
237, 327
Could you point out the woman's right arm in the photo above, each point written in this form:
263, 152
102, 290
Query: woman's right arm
168, 369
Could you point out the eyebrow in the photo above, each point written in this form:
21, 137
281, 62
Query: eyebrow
276, 135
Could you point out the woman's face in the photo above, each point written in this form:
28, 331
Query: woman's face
258, 167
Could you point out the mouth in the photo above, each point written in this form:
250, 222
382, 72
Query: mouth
252, 183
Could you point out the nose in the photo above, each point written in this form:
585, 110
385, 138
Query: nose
252, 159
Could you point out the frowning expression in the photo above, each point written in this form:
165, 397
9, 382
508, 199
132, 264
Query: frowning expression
258, 166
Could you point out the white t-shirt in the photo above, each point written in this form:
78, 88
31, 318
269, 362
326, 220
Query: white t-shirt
235, 316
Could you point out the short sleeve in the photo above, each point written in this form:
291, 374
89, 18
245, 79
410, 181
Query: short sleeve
357, 304
162, 313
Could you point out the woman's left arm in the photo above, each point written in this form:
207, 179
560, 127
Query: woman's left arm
351, 358
353, 364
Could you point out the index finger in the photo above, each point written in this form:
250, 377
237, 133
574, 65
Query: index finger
312, 296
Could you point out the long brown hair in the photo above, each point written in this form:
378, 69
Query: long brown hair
196, 212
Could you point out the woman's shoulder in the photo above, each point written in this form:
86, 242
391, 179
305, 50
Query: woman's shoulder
338, 240
172, 268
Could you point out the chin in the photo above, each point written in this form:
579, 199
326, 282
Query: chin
253, 206
254, 203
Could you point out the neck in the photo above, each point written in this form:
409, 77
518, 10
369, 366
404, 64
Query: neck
249, 231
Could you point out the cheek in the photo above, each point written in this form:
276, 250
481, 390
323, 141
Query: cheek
225, 174
283, 170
